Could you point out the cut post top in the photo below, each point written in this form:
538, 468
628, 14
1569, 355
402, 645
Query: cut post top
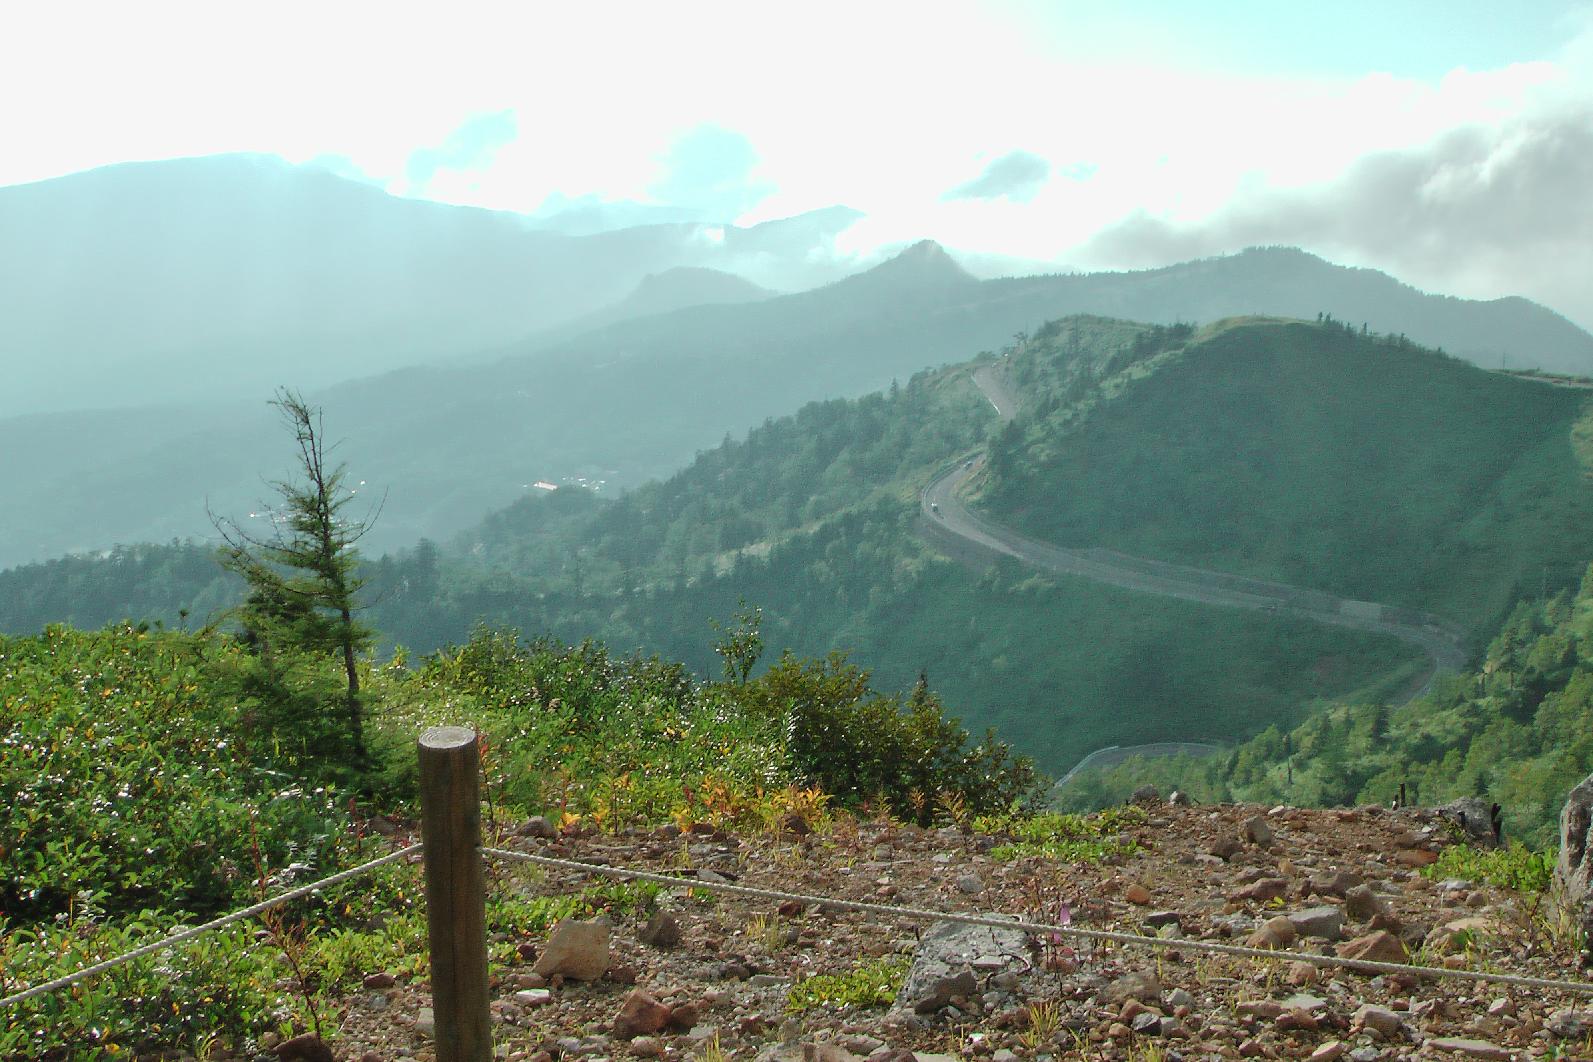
447, 737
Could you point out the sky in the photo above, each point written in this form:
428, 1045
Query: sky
1449, 143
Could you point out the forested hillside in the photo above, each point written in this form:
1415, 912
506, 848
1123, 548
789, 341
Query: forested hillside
815, 520
1310, 454
1518, 730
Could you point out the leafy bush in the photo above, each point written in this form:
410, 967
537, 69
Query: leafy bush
1516, 867
857, 744
1069, 838
870, 984
129, 778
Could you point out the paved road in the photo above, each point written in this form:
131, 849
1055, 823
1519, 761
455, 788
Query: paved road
1444, 644
1112, 755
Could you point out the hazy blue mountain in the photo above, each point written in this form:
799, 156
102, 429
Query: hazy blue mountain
219, 277
673, 289
636, 399
1288, 282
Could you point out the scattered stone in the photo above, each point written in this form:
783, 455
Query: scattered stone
1258, 832
947, 949
1384, 1021
1416, 857
379, 981
1157, 919
538, 826
1572, 894
1276, 932
1361, 904
945, 989
426, 1022
1137, 894
1146, 794
1308, 1003
1329, 1052
793, 822
306, 1047
1380, 946
1471, 1048
661, 931
647, 1047
533, 997
575, 950
970, 883
1459, 933
1179, 799
1300, 974
1180, 998
1477, 819
1323, 923
1570, 1024
1225, 848
1147, 1023
639, 1015
1263, 890
1141, 985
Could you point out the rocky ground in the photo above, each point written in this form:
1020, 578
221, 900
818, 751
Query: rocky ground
713, 975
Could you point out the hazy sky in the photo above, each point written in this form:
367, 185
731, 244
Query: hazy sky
1450, 142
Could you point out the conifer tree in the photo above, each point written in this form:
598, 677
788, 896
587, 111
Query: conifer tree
302, 576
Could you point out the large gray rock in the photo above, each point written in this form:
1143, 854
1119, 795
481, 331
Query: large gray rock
948, 957
1573, 873
1477, 819
576, 950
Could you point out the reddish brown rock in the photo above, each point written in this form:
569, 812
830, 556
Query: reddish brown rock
639, 1015
1380, 946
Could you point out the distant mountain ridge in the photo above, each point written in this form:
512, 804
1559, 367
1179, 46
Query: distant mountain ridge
635, 398
219, 277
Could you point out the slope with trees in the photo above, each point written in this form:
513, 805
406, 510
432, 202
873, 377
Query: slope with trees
1516, 730
636, 399
1311, 454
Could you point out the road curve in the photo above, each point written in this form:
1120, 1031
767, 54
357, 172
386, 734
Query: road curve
945, 513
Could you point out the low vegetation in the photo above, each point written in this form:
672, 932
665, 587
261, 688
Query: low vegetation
872, 983
1064, 837
147, 782
1516, 730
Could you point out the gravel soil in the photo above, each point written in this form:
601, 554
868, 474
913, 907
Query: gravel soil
1230, 873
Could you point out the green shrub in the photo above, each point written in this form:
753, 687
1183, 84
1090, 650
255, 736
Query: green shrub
857, 744
870, 984
1069, 838
1516, 867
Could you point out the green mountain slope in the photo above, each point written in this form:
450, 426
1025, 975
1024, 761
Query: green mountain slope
1516, 730
1236, 447
635, 399
814, 518
1307, 454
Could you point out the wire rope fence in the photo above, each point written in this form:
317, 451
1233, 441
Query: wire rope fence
454, 858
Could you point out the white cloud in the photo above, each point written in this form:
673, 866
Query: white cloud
881, 106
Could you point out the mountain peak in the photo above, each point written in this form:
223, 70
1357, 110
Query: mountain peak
925, 264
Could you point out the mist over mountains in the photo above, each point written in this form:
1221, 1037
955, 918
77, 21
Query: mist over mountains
221, 277
463, 354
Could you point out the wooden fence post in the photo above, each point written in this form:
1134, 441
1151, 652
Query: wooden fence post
456, 915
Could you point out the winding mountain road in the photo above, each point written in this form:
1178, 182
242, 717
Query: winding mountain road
946, 515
